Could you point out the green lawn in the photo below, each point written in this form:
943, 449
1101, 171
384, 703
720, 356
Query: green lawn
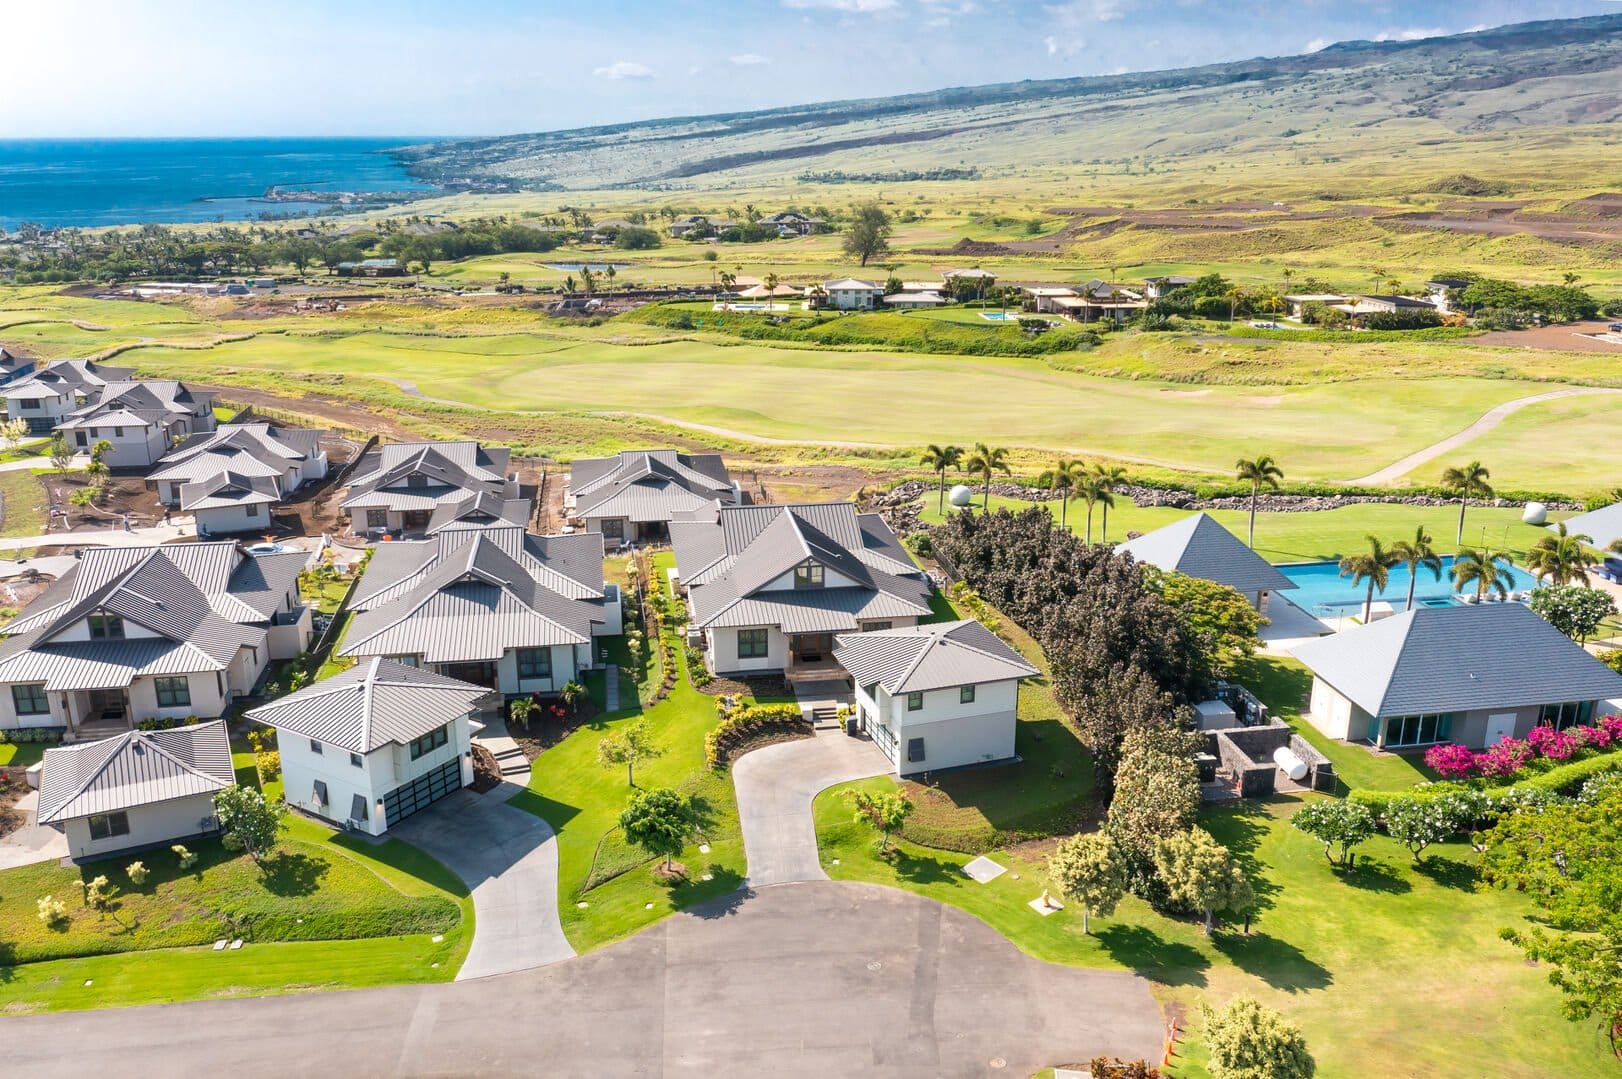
23, 497
1391, 970
21, 755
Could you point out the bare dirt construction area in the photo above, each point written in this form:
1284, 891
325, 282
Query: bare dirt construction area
802, 483
332, 411
1571, 337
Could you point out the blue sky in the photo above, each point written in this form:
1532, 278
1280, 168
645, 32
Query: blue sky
189, 67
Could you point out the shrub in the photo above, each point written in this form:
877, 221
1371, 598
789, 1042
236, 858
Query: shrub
269, 764
137, 872
97, 893
1336, 823
745, 722
53, 912
1248, 1041
1451, 761
184, 857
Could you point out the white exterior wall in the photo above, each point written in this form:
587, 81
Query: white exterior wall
565, 669
137, 447
614, 616
1330, 712
722, 652
845, 299
162, 822
206, 700
10, 720
54, 409
285, 642
223, 520
954, 733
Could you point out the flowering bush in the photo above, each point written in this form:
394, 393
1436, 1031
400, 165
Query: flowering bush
1506, 758
1451, 761
1513, 755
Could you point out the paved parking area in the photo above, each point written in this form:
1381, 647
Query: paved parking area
32, 842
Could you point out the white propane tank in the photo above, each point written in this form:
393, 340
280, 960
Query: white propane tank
960, 496
1289, 763
1535, 513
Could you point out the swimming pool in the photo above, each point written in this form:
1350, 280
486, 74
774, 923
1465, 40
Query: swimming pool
1322, 591
1000, 316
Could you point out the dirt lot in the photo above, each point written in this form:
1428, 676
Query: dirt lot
1573, 337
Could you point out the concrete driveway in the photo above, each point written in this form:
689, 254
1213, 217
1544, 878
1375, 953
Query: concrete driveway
32, 842
809, 980
775, 787
509, 860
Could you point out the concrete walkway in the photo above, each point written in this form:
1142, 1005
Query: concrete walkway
775, 787
497, 738
814, 980
611, 688
145, 536
509, 861
31, 843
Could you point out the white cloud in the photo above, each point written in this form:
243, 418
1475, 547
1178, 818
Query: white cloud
862, 6
1317, 44
1411, 33
624, 69
750, 59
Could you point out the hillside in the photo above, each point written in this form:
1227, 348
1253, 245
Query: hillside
1349, 99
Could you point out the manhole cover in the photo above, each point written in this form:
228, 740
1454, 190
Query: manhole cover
875, 965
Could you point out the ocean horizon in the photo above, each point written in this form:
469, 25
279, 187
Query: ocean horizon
86, 183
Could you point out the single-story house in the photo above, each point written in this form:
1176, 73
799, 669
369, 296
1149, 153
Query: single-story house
632, 497
490, 605
130, 633
1466, 674
1440, 292
974, 282
1298, 301
1603, 526
1360, 307
1041, 298
372, 745
1156, 287
135, 790
937, 696
140, 420
371, 268
1200, 547
913, 300
47, 397
399, 488
851, 294
769, 586
1097, 300
230, 479
792, 223
229, 502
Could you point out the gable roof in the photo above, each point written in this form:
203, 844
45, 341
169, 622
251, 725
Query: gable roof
248, 449
228, 489
135, 404
375, 703
852, 284
648, 485
1199, 547
134, 769
935, 656
65, 377
1447, 659
450, 469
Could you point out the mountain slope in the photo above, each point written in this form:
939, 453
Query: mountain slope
1538, 74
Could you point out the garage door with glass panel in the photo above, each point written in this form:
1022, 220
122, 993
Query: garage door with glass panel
422, 792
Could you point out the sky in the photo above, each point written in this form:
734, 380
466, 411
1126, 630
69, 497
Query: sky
112, 68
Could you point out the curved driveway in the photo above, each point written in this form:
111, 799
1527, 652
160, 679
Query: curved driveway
811, 980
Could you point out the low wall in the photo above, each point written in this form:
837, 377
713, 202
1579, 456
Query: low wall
1247, 754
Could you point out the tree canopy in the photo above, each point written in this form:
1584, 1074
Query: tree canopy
868, 234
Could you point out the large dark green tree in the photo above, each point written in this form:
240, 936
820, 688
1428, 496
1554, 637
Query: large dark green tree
868, 235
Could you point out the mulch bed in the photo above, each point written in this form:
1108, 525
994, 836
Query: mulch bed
486, 773
763, 687
788, 730
546, 730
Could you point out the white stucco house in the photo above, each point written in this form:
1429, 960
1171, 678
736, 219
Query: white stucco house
135, 790
852, 294
230, 479
489, 605
401, 487
938, 696
769, 586
49, 395
632, 497
140, 420
130, 633
372, 745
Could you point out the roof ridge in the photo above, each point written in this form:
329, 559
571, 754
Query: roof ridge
1412, 619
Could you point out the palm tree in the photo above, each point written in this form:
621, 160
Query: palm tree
984, 461
1468, 480
1488, 570
1111, 478
938, 459
568, 284
1257, 472
728, 280
1374, 566
1061, 480
1415, 553
1560, 557
770, 281
1090, 490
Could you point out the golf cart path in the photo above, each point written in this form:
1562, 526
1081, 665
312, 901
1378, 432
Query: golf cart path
1489, 419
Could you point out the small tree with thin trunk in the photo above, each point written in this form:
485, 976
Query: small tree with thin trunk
629, 746
1087, 871
248, 821
1201, 873
1469, 481
659, 821
884, 812
1248, 1041
1259, 472
61, 453
1336, 823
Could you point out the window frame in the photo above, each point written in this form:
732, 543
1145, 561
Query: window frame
32, 688
356, 760
525, 659
376, 518
317, 748
251, 509
915, 701
613, 528
112, 825
102, 625
753, 633
1441, 725
965, 694
168, 683
427, 743
810, 575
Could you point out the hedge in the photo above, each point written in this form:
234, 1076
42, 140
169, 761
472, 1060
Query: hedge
745, 722
1561, 779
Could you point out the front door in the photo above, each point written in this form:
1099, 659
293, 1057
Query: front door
480, 674
106, 704
813, 647
412, 520
1499, 727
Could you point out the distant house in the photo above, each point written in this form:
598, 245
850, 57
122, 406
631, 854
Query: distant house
1298, 301
937, 696
1440, 292
1199, 547
698, 227
1042, 298
135, 790
14, 367
633, 497
1603, 526
228, 478
1156, 287
1099, 300
46, 397
852, 294
489, 605
399, 488
130, 633
141, 420
370, 746
1358, 307
371, 268
793, 223
1473, 675
769, 586
913, 300
974, 282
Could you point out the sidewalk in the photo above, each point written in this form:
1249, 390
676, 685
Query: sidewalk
144, 536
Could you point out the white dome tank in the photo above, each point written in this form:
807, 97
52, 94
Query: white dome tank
960, 496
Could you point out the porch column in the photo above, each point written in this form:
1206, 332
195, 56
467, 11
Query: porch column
70, 711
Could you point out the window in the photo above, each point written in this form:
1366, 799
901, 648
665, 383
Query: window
1421, 730
79, 437
752, 643
356, 760
357, 808
407, 661
915, 749
430, 741
320, 795
534, 663
377, 518
416, 479
965, 695
1570, 714
173, 692
808, 575
30, 406
30, 700
315, 747
107, 825
253, 510
915, 702
613, 528
105, 627
118, 432
873, 627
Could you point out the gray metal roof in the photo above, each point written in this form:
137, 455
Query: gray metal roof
1603, 526
448, 469
66, 377
1199, 547
1450, 659
373, 704
133, 403
227, 489
248, 449
132, 770
935, 656
648, 485
471, 508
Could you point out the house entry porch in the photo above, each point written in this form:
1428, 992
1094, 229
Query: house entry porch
811, 655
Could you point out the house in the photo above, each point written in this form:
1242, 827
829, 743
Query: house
1199, 547
698, 227
1097, 300
129, 633
400, 487
908, 301
1602, 526
227, 479
374, 744
939, 696
140, 420
379, 268
1298, 301
793, 223
491, 605
1360, 307
769, 586
851, 294
1041, 298
973, 283
1156, 287
1466, 674
135, 790
633, 497
14, 367
46, 397
1440, 292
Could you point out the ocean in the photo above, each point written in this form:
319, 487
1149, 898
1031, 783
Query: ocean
90, 182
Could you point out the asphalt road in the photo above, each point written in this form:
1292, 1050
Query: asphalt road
819, 979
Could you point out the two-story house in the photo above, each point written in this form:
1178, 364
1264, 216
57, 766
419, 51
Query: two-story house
230, 478
49, 395
404, 483
633, 497
140, 420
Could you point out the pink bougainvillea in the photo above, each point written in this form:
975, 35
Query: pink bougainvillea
1511, 755
1506, 758
1451, 761
1612, 725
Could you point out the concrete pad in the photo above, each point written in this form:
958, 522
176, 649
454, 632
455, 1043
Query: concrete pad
983, 870
1044, 909
33, 842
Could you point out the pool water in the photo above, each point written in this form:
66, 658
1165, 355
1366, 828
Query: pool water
999, 316
1322, 591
